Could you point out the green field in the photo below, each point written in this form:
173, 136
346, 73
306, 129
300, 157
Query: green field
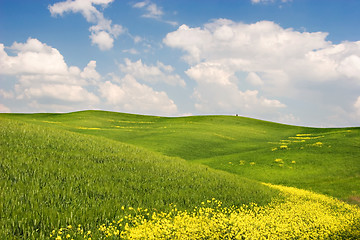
66, 169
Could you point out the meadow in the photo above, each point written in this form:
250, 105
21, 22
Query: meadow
95, 167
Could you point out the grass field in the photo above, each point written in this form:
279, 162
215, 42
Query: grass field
66, 169
243, 146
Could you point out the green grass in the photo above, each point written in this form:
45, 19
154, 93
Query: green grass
50, 178
232, 144
59, 169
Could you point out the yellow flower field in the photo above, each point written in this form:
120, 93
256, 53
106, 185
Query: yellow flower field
302, 215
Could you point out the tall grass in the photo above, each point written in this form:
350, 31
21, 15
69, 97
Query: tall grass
238, 145
51, 178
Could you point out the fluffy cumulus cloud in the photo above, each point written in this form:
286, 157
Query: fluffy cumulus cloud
44, 77
32, 57
218, 92
103, 32
256, 65
132, 96
152, 74
61, 92
44, 82
244, 44
90, 72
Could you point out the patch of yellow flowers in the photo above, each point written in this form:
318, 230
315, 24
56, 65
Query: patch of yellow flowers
302, 215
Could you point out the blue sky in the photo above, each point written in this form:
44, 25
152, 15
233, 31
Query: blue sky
289, 61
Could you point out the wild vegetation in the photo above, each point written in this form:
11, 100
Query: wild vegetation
89, 168
51, 178
302, 215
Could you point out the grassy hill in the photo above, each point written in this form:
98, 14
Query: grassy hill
325, 160
50, 178
82, 167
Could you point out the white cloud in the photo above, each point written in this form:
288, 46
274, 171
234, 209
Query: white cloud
350, 66
191, 40
103, 32
216, 53
137, 39
44, 82
254, 79
90, 72
35, 106
43, 75
6, 95
131, 51
288, 119
280, 63
85, 7
209, 72
32, 57
141, 4
153, 11
102, 39
61, 92
152, 74
217, 92
357, 106
264, 42
131, 96
4, 109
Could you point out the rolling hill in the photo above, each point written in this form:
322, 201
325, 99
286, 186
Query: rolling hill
325, 160
83, 167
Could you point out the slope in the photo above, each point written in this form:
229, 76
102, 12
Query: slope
50, 177
319, 159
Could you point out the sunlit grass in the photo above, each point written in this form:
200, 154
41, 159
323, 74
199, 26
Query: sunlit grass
68, 169
218, 140
51, 178
303, 215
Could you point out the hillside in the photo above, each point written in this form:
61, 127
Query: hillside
51, 178
86, 167
325, 160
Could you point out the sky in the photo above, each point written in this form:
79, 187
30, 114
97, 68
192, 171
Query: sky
288, 61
